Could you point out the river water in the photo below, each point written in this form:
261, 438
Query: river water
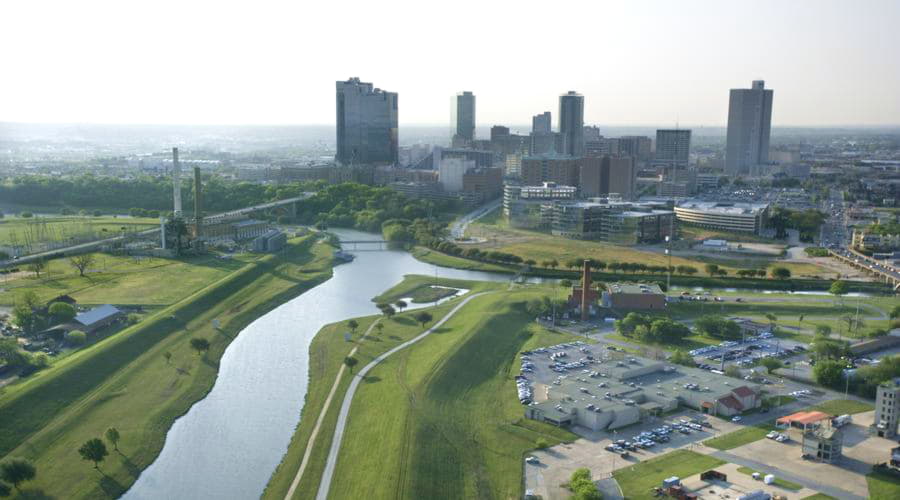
229, 443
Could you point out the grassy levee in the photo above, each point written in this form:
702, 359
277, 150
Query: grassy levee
441, 418
326, 353
441, 259
125, 382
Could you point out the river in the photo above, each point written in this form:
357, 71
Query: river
229, 443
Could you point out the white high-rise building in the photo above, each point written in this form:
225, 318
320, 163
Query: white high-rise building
749, 127
451, 171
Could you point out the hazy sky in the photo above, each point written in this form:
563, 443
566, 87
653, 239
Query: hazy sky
259, 62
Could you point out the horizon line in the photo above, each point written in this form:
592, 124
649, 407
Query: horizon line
424, 124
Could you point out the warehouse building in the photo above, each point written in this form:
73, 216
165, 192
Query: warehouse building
622, 391
726, 216
634, 296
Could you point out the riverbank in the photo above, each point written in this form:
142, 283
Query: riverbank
441, 259
127, 383
327, 352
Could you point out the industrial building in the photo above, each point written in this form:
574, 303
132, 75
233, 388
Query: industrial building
98, 317
621, 391
824, 444
633, 296
727, 216
887, 410
271, 242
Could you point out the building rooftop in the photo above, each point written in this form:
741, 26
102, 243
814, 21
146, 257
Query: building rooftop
634, 288
723, 207
96, 314
804, 417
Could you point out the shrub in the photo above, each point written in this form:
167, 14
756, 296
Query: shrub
76, 337
541, 443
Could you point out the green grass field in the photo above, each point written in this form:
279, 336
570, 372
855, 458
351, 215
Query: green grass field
413, 282
122, 279
124, 381
739, 437
782, 483
639, 480
448, 422
883, 486
819, 496
61, 228
327, 352
842, 407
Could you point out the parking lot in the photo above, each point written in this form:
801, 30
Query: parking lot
746, 352
556, 464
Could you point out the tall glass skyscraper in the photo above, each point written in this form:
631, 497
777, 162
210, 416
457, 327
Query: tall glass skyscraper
462, 112
366, 124
749, 126
571, 123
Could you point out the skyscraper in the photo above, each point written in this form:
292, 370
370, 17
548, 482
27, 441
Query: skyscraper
463, 116
366, 124
571, 123
673, 147
540, 124
749, 125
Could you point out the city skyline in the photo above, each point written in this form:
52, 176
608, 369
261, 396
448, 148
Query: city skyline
185, 70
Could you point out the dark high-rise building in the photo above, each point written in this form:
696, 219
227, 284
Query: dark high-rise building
463, 115
635, 146
366, 124
571, 123
498, 131
749, 125
600, 176
673, 147
561, 169
540, 124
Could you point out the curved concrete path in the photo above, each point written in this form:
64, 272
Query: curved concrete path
315, 432
325, 484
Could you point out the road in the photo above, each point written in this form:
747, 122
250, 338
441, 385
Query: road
458, 228
331, 462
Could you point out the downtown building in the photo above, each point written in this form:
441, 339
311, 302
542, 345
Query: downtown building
462, 113
367, 131
571, 123
749, 127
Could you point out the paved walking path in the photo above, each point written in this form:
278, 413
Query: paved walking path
609, 488
761, 467
325, 484
315, 432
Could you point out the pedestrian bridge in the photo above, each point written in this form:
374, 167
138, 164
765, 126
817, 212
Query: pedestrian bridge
364, 244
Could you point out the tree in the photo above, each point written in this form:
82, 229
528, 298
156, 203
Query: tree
5, 490
839, 289
681, 357
352, 325
771, 364
772, 319
61, 312
76, 337
781, 273
733, 371
16, 471
388, 310
37, 266
401, 305
82, 262
93, 450
565, 283
350, 362
423, 318
168, 356
379, 326
829, 373
717, 326
112, 435
200, 345
629, 324
711, 269
895, 312
823, 331
582, 486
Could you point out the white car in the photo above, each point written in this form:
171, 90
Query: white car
736, 418
532, 460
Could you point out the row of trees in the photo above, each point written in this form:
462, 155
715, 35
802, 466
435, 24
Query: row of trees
652, 329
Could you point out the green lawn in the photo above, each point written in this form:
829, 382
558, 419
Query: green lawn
420, 285
448, 422
739, 437
123, 280
783, 483
819, 496
883, 486
124, 380
842, 407
62, 228
441, 259
639, 480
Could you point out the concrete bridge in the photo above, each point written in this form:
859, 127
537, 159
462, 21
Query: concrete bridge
366, 244
882, 270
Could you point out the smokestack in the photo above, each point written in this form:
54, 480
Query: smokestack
198, 200
176, 182
585, 289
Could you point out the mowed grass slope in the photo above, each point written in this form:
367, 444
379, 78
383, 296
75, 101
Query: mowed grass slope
125, 382
639, 480
59, 228
122, 280
441, 419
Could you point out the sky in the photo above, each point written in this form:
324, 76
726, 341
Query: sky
265, 62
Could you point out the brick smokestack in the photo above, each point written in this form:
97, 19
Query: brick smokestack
198, 201
585, 289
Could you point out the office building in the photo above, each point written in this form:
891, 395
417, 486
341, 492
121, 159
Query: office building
887, 410
540, 124
560, 169
592, 134
749, 126
611, 221
483, 184
544, 143
571, 123
366, 124
498, 132
726, 216
601, 176
637, 147
673, 148
451, 171
463, 117
531, 207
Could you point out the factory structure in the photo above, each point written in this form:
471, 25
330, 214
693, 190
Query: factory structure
182, 233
